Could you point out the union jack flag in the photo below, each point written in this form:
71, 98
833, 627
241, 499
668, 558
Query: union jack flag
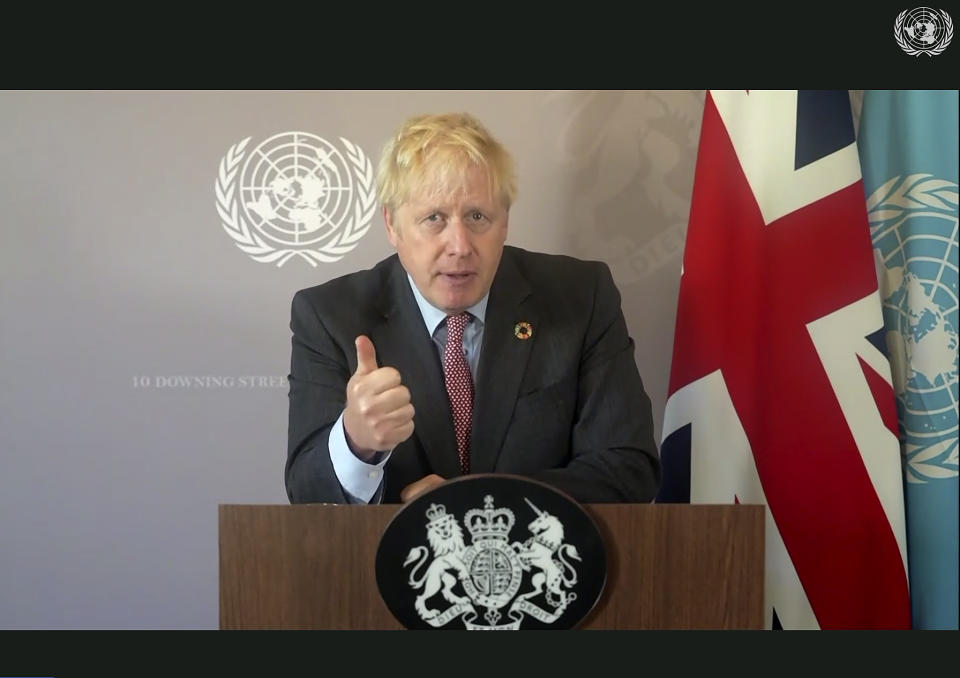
780, 393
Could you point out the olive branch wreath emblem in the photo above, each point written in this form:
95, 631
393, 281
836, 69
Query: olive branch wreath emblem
890, 205
905, 46
250, 242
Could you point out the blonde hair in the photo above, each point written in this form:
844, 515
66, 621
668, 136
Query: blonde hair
437, 151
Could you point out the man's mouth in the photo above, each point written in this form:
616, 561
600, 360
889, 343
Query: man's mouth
457, 279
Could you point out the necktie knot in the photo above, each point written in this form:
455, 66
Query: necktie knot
456, 325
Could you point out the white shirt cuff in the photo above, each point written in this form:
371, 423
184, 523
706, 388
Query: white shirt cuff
358, 479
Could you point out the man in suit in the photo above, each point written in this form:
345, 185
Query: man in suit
462, 355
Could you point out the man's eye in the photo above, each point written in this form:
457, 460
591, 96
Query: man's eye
477, 216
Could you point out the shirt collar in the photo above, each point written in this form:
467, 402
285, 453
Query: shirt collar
433, 316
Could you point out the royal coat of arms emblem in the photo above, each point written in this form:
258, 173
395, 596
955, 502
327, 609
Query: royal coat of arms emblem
495, 568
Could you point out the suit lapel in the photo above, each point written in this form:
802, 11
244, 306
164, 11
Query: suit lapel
402, 341
503, 360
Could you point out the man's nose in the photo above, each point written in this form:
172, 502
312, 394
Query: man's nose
458, 238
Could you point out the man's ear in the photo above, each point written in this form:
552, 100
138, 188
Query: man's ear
392, 234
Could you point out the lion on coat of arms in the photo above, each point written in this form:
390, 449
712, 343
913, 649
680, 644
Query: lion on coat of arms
445, 537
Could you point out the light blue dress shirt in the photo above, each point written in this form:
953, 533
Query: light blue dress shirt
361, 481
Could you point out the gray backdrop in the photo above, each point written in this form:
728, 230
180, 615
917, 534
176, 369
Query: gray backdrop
144, 356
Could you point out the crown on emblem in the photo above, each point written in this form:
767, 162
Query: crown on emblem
489, 523
437, 513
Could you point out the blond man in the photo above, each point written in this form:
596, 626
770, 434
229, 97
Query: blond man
460, 354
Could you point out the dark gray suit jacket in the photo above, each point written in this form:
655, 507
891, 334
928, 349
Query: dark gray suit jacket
566, 406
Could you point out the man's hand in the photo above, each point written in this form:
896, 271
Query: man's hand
379, 414
415, 489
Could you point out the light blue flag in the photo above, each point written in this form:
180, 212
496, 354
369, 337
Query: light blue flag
908, 154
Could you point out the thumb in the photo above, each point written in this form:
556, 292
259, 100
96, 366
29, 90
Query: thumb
366, 355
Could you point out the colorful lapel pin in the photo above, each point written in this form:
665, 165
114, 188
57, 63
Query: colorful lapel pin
523, 330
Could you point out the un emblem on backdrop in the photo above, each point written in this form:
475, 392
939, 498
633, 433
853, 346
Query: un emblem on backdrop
296, 195
913, 227
923, 30
501, 553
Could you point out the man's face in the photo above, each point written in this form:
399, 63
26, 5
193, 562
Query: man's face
451, 244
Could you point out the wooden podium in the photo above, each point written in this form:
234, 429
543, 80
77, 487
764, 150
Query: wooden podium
669, 566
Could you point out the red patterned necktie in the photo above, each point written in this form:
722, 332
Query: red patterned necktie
456, 373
